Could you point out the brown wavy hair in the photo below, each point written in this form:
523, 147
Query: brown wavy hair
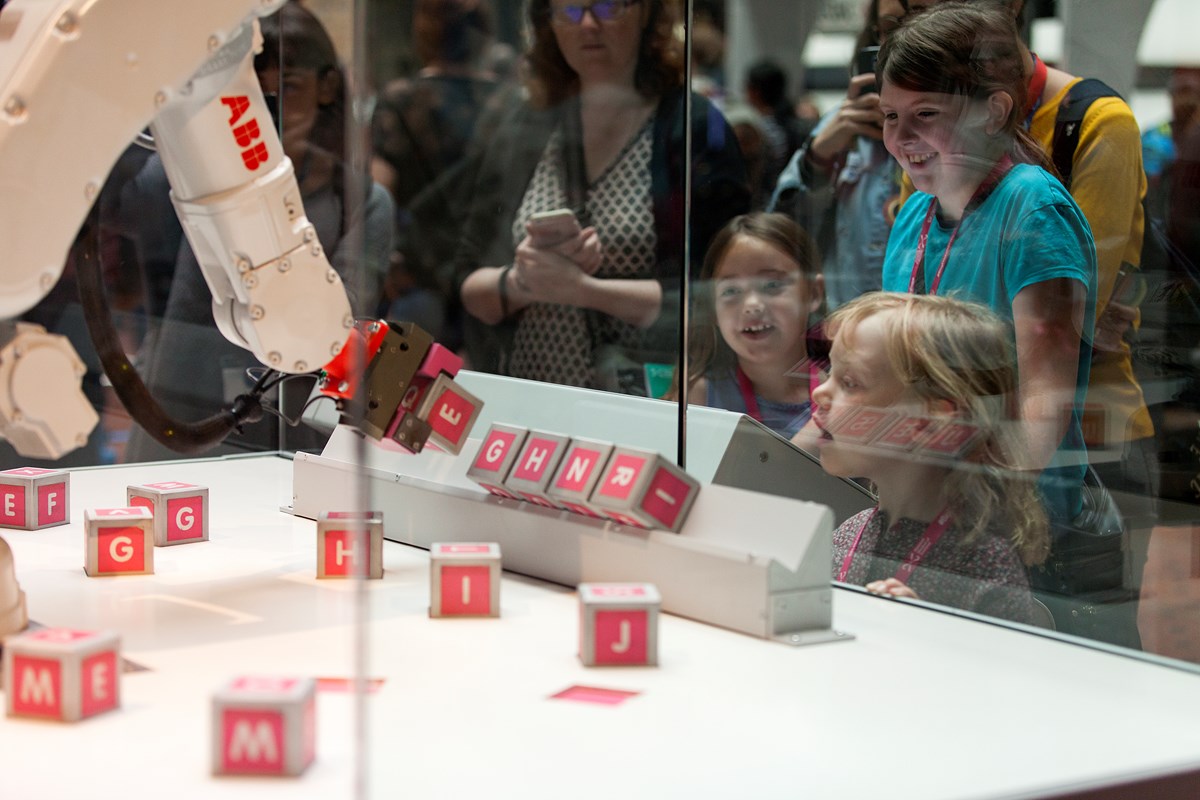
551, 80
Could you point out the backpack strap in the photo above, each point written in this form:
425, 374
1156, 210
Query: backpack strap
1069, 121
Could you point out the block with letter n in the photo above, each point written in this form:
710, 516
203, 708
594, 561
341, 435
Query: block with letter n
264, 726
61, 674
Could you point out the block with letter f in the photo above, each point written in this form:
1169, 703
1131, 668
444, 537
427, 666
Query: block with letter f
32, 498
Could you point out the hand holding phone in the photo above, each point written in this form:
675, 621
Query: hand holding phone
550, 228
864, 63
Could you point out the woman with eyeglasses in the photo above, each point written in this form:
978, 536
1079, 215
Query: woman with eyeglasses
842, 185
602, 134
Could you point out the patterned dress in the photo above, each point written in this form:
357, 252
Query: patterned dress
571, 345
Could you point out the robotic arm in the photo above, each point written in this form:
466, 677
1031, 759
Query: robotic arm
107, 69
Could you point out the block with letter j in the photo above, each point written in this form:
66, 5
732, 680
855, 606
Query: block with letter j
618, 624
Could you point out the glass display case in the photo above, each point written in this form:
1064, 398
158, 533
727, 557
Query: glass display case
654, 230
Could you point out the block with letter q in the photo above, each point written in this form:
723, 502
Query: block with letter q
642, 489
264, 726
119, 541
464, 579
497, 454
180, 510
32, 498
618, 624
61, 674
350, 544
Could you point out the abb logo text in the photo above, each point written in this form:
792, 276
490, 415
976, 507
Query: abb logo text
254, 153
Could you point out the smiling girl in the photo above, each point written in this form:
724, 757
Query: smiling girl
749, 347
953, 525
988, 223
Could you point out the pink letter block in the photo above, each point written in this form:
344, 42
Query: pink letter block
350, 544
60, 674
32, 498
264, 726
180, 510
120, 541
464, 579
496, 456
450, 411
618, 624
535, 466
644, 490
577, 476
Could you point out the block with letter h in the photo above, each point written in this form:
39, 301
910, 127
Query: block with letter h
497, 454
264, 726
60, 674
350, 544
464, 579
32, 498
577, 476
642, 489
618, 624
535, 466
180, 510
120, 541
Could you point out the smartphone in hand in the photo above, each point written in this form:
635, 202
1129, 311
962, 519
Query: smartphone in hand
548, 228
864, 63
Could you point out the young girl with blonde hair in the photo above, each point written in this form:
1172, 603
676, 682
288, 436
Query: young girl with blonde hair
921, 401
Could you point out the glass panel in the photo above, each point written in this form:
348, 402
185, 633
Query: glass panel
1115, 566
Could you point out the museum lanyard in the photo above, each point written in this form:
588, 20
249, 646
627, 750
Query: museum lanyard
933, 532
748, 398
1037, 85
981, 194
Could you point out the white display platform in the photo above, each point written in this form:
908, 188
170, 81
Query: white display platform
922, 704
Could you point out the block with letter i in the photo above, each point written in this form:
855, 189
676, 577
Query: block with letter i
180, 510
577, 476
60, 674
32, 498
464, 579
644, 490
350, 544
496, 456
535, 466
618, 624
264, 726
119, 541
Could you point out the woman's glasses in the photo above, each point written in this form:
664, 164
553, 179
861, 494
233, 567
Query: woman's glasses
602, 10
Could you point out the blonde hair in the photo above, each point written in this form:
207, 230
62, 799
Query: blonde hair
950, 350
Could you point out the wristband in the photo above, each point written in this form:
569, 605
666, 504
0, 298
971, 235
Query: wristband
503, 290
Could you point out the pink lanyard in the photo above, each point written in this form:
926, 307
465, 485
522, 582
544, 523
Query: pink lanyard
981, 193
747, 389
933, 532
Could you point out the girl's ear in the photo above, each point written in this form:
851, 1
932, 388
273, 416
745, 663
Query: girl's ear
327, 87
816, 288
999, 106
941, 408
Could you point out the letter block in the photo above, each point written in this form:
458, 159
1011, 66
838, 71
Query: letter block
180, 510
644, 490
496, 456
577, 476
341, 540
32, 498
535, 466
120, 541
464, 579
450, 411
55, 673
264, 726
618, 624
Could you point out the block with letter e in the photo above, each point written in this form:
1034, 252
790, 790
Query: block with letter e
120, 541
535, 466
578, 473
264, 726
32, 498
464, 579
350, 544
497, 454
450, 410
61, 674
618, 624
180, 510
644, 490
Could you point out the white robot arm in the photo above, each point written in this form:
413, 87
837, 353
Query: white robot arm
79, 79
